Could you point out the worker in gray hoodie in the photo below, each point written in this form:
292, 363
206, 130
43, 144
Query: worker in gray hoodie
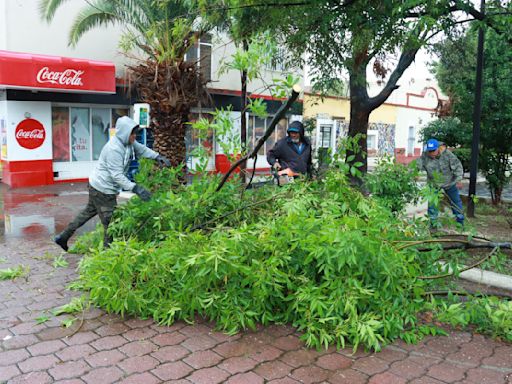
109, 177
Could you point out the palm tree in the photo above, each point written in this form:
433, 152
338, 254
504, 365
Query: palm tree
162, 31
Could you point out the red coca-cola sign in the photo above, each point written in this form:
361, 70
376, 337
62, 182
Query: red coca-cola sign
26, 70
67, 76
30, 134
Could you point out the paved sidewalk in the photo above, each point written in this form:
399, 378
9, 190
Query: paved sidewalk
110, 349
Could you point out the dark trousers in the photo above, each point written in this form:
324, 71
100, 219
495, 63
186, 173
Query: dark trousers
99, 204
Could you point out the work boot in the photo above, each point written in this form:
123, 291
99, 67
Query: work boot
62, 241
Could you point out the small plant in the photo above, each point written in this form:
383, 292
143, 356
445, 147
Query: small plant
76, 305
13, 273
42, 319
68, 322
60, 262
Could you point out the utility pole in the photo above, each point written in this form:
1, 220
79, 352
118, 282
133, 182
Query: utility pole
477, 114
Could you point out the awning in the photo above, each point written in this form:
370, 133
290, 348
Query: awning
55, 73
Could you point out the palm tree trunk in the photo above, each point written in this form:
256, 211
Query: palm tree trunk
172, 90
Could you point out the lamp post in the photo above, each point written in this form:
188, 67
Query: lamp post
477, 113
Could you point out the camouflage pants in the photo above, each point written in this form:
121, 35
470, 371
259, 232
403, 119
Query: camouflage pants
99, 204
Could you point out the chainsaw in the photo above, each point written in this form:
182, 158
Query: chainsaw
284, 176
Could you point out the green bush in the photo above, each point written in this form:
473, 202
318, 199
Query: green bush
393, 184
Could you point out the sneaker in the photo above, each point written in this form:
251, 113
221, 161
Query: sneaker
62, 242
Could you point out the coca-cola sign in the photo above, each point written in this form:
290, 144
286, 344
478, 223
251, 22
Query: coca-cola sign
30, 134
65, 77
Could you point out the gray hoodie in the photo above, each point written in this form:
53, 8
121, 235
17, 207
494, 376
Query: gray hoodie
109, 175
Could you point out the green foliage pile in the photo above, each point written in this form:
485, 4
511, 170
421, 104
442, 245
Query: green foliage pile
315, 254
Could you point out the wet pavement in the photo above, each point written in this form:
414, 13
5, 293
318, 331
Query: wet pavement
106, 348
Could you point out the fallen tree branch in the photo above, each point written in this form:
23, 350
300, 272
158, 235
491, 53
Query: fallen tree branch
202, 225
462, 270
463, 293
278, 116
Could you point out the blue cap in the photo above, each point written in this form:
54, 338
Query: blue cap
432, 144
295, 126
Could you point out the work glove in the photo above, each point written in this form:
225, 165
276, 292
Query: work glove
277, 166
142, 192
163, 161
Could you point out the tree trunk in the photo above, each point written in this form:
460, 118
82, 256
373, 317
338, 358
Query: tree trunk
243, 107
361, 105
359, 113
171, 89
359, 125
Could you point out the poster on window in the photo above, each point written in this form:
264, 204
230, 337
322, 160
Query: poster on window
80, 135
3, 138
60, 133
100, 122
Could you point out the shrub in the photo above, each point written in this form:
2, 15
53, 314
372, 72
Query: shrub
393, 184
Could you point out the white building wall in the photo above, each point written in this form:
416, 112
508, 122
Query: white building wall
23, 30
223, 50
3, 25
27, 32
410, 117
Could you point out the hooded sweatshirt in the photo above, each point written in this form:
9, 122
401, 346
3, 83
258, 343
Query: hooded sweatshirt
109, 175
291, 155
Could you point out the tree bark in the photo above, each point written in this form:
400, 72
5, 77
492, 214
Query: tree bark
359, 112
171, 89
243, 108
361, 105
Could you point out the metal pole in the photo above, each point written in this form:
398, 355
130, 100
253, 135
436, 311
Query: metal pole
477, 113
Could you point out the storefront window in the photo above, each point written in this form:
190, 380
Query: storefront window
192, 136
259, 131
100, 123
80, 134
117, 113
60, 133
257, 128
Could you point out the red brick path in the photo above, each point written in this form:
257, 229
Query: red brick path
108, 349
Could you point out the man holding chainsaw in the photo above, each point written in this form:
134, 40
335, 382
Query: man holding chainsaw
109, 177
292, 152
444, 170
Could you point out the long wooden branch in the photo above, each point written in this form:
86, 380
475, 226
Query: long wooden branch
471, 245
461, 270
278, 116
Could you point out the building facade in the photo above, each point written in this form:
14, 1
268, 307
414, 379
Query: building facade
59, 104
393, 127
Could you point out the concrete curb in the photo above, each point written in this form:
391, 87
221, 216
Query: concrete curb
492, 279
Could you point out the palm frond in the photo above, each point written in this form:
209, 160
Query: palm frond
47, 8
100, 13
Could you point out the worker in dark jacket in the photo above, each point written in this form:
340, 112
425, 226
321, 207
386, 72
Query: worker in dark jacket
293, 151
109, 177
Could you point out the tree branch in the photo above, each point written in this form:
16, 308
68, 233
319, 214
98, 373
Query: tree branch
406, 58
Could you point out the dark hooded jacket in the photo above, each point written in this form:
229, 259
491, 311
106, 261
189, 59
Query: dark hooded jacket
287, 153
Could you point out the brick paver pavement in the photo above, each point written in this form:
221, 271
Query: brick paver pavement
109, 349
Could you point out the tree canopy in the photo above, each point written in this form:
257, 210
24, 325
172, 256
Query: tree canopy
455, 72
